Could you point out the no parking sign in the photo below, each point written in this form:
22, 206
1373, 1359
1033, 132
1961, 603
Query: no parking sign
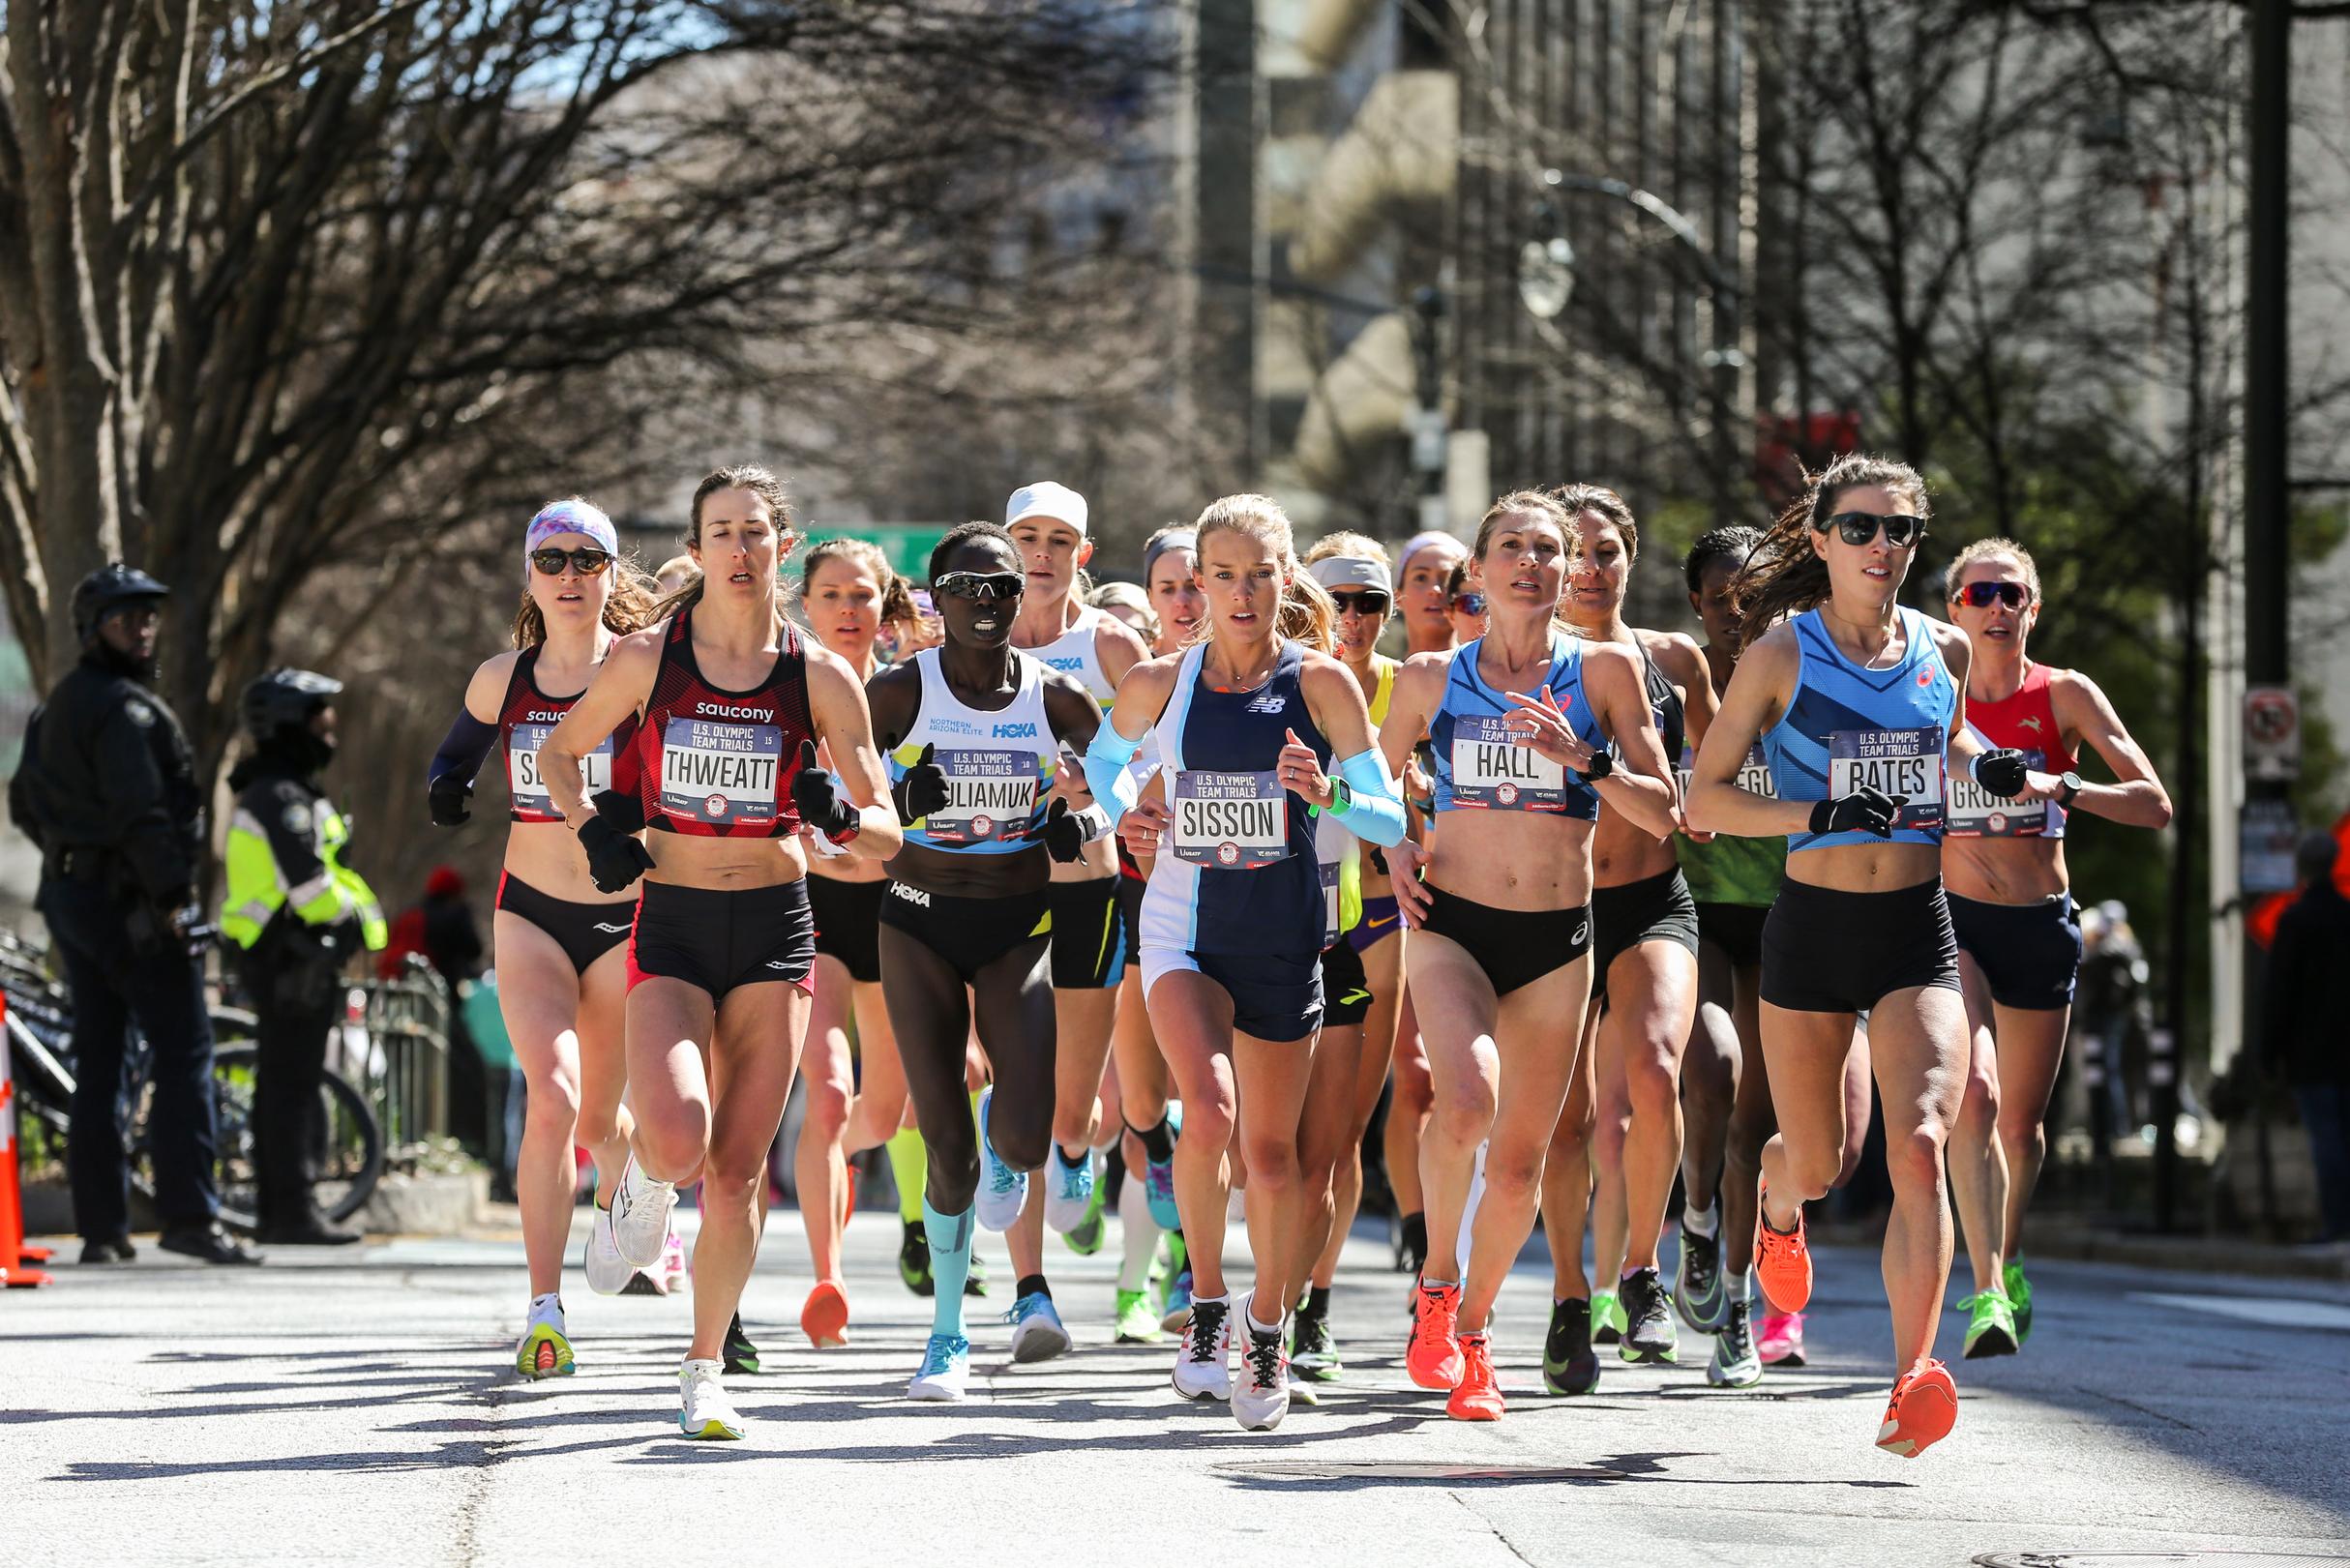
2272, 733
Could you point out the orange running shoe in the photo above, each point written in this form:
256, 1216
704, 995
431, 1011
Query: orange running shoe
824, 1319
1478, 1398
1921, 1413
1782, 1261
1433, 1358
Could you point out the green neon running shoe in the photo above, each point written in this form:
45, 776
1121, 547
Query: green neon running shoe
1138, 1323
913, 1259
1608, 1322
1085, 1237
1313, 1354
741, 1355
2019, 1298
1990, 1324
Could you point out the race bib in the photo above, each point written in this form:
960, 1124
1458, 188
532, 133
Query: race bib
721, 773
528, 787
1978, 814
1233, 821
990, 797
1753, 775
1490, 769
1904, 762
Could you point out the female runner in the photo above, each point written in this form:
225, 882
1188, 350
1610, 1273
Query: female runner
1857, 701
1619, 1142
2019, 942
1502, 926
1232, 922
975, 730
556, 936
856, 1095
734, 703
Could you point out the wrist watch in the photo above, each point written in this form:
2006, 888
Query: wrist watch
1342, 798
2072, 783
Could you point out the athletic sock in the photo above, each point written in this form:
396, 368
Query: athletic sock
950, 1264
1256, 1330
1158, 1139
1734, 1285
1706, 1222
1140, 1235
1032, 1284
1427, 1284
909, 1168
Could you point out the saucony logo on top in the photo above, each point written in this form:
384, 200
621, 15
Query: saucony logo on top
728, 710
542, 715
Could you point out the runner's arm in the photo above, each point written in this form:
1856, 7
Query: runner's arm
836, 701
1759, 688
2137, 799
1642, 787
1374, 811
622, 683
1142, 697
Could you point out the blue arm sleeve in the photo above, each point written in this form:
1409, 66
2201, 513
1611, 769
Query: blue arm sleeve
1375, 813
1106, 774
461, 750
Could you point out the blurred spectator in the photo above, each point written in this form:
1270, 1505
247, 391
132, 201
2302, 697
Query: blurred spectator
2302, 1038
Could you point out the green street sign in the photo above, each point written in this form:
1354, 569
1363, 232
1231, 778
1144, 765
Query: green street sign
908, 545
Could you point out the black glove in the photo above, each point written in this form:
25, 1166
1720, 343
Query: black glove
923, 789
818, 799
451, 798
614, 860
623, 812
1864, 811
1064, 838
2001, 772
1603, 763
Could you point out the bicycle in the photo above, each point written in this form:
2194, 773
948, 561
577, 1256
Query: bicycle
40, 1022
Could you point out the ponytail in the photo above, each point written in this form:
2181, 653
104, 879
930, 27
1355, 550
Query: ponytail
1785, 575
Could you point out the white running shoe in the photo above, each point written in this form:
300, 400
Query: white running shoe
544, 1349
607, 1272
947, 1371
1203, 1368
1002, 1191
641, 1215
1068, 1192
1261, 1394
705, 1411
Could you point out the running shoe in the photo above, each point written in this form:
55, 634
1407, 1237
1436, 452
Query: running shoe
1313, 1354
1990, 1324
975, 1278
1261, 1394
1003, 1190
1921, 1413
1782, 1262
1648, 1335
1158, 1179
607, 1272
1698, 1291
1137, 1324
1569, 1364
947, 1371
1037, 1334
1412, 1244
2019, 1297
1433, 1358
703, 1410
674, 1270
641, 1215
1477, 1397
1607, 1319
1203, 1368
642, 1284
1068, 1192
913, 1259
1302, 1392
545, 1351
1782, 1341
1176, 1313
1735, 1364
824, 1317
1085, 1238
741, 1355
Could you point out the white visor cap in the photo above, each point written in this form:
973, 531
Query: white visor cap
1046, 499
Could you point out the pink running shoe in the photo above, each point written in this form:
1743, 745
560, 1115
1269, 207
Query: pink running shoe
672, 1269
1781, 1341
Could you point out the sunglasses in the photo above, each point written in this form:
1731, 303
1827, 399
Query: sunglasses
1983, 595
552, 561
1469, 604
1361, 601
1901, 530
992, 587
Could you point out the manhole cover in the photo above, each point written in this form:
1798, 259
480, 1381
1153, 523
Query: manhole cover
1375, 1470
2151, 1560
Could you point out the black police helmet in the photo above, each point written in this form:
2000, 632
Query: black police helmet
110, 587
283, 697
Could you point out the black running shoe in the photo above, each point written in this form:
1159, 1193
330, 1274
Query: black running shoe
913, 1260
1647, 1312
1569, 1364
1412, 1244
976, 1281
741, 1355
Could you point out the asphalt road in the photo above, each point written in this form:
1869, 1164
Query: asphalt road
363, 1408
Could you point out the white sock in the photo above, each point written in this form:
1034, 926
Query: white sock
1261, 1330
1139, 1233
549, 1305
1704, 1222
1734, 1285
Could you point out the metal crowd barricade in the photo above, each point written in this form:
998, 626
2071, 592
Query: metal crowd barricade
404, 1023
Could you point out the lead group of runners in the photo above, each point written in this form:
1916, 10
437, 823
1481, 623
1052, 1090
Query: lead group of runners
1117, 906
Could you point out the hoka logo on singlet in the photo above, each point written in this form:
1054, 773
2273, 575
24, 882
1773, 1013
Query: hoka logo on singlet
1023, 732
728, 710
1067, 664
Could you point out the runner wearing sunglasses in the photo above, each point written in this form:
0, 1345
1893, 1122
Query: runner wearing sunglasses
1501, 928
1091, 951
1248, 724
1464, 603
975, 730
1861, 706
2019, 939
555, 936
734, 704
1619, 1140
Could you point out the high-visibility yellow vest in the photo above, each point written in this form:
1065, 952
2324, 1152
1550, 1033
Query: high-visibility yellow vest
257, 887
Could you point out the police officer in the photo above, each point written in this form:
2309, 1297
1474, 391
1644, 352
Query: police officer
107, 790
297, 915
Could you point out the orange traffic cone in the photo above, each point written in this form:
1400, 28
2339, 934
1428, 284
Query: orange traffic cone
17, 1259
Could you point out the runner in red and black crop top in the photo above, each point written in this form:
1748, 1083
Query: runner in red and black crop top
561, 982
732, 704
2019, 941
